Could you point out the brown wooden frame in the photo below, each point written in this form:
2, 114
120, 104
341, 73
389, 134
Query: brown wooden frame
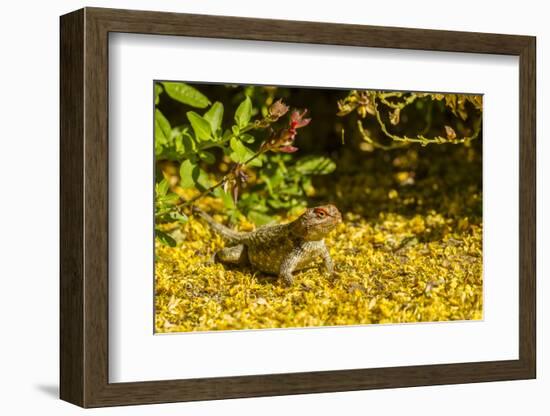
84, 207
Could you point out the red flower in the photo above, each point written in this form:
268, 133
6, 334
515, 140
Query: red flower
283, 140
297, 119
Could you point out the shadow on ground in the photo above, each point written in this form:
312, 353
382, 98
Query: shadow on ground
51, 390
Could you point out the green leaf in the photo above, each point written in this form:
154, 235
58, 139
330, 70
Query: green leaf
207, 157
226, 135
188, 140
165, 238
179, 145
201, 127
186, 174
307, 185
260, 219
240, 153
186, 94
193, 176
225, 197
315, 165
163, 131
158, 91
243, 113
169, 199
249, 201
291, 190
247, 138
214, 116
201, 178
176, 216
278, 204
183, 142
158, 148
162, 187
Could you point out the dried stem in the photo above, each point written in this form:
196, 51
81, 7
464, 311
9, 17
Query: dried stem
420, 138
186, 203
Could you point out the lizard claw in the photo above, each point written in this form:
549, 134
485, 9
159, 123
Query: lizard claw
211, 260
333, 277
288, 280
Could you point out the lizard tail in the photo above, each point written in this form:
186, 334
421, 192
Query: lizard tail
227, 234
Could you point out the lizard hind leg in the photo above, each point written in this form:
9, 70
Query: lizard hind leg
232, 255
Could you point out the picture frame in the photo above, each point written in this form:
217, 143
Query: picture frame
84, 216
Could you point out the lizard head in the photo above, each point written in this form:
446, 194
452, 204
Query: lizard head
316, 223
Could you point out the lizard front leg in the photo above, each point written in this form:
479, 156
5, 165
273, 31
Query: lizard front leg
327, 260
289, 263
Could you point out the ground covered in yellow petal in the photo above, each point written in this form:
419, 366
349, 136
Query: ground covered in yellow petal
409, 250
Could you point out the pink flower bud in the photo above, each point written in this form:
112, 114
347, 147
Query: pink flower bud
288, 149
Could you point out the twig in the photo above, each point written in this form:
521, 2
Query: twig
409, 100
420, 138
377, 145
223, 180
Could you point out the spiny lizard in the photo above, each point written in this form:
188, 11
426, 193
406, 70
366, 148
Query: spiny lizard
283, 248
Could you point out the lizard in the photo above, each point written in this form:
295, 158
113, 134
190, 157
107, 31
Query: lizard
279, 249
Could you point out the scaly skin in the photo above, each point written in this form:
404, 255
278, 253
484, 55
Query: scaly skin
280, 249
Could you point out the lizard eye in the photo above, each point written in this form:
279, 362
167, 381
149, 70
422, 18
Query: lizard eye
320, 213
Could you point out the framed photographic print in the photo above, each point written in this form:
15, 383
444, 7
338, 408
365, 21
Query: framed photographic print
256, 207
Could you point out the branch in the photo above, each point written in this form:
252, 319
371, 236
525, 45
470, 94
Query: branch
377, 145
420, 138
223, 180
384, 98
